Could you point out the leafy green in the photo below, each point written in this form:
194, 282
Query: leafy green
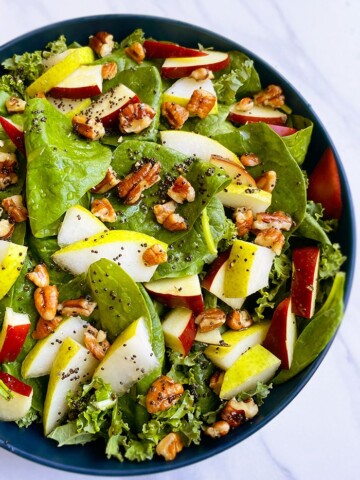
331, 260
68, 434
26, 67
12, 86
298, 143
76, 288
229, 235
55, 47
136, 36
314, 226
261, 391
31, 417
214, 124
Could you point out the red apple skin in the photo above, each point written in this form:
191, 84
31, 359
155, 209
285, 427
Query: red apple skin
282, 131
156, 49
15, 385
304, 280
214, 268
188, 336
325, 186
14, 133
13, 343
194, 303
112, 120
276, 337
75, 93
244, 119
185, 71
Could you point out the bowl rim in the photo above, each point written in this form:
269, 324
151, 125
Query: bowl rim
148, 467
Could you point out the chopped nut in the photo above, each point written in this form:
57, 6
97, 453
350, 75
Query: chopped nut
102, 43
170, 446
216, 381
88, 127
279, 220
175, 114
181, 190
267, 181
95, 341
272, 238
163, 394
45, 327
154, 255
202, 74
218, 429
249, 159
6, 229
136, 52
244, 218
77, 306
162, 211
15, 105
239, 319
132, 186
236, 413
8, 164
245, 104
271, 96
109, 70
109, 182
46, 301
175, 222
210, 319
135, 117
15, 208
201, 103
102, 208
39, 276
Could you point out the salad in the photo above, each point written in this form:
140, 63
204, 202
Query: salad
165, 259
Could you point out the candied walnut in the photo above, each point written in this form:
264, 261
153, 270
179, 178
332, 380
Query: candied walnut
175, 114
163, 394
216, 381
109, 70
217, 429
88, 127
46, 301
108, 183
202, 73
135, 117
236, 413
249, 159
272, 238
210, 319
239, 319
45, 327
102, 208
154, 255
267, 181
170, 446
6, 229
136, 52
95, 341
8, 164
162, 211
39, 276
133, 185
244, 218
102, 43
181, 190
15, 105
278, 219
175, 222
201, 103
15, 208
271, 96
77, 306
245, 104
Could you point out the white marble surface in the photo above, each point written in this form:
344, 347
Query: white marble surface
316, 45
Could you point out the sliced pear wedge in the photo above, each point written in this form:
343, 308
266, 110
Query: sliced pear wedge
12, 257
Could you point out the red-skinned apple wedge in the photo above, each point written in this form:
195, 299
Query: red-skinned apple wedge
304, 280
84, 82
15, 133
13, 334
257, 114
180, 330
281, 336
155, 49
238, 173
18, 402
182, 67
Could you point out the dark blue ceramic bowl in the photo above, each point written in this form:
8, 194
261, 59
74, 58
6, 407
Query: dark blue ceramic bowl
90, 459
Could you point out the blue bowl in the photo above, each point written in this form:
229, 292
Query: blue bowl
90, 459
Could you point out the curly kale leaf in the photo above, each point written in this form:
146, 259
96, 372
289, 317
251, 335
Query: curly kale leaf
55, 47
26, 67
12, 86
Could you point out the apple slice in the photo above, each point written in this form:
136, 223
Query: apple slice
78, 224
282, 131
73, 365
235, 196
257, 114
211, 338
181, 91
38, 361
183, 66
196, 145
107, 106
12, 257
124, 247
57, 58
155, 49
179, 330
215, 278
304, 280
178, 292
235, 171
255, 365
68, 106
15, 133
129, 359
282, 334
85, 81
13, 334
19, 399
235, 344
325, 186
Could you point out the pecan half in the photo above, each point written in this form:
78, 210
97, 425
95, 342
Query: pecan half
272, 238
163, 394
175, 114
201, 103
6, 229
210, 319
102, 208
108, 183
88, 127
39, 276
136, 52
162, 211
267, 181
175, 222
236, 413
45, 327
216, 381
102, 43
271, 96
95, 341
279, 220
8, 164
217, 429
46, 301
154, 255
249, 159
15, 105
202, 73
181, 190
15, 208
77, 306
109, 70
244, 218
132, 186
135, 117
245, 104
239, 319
170, 446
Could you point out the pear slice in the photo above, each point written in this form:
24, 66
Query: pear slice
237, 342
39, 360
69, 106
180, 92
57, 73
12, 257
124, 247
129, 359
212, 338
247, 269
235, 196
255, 365
78, 224
73, 365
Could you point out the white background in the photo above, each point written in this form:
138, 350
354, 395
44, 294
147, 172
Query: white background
315, 44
